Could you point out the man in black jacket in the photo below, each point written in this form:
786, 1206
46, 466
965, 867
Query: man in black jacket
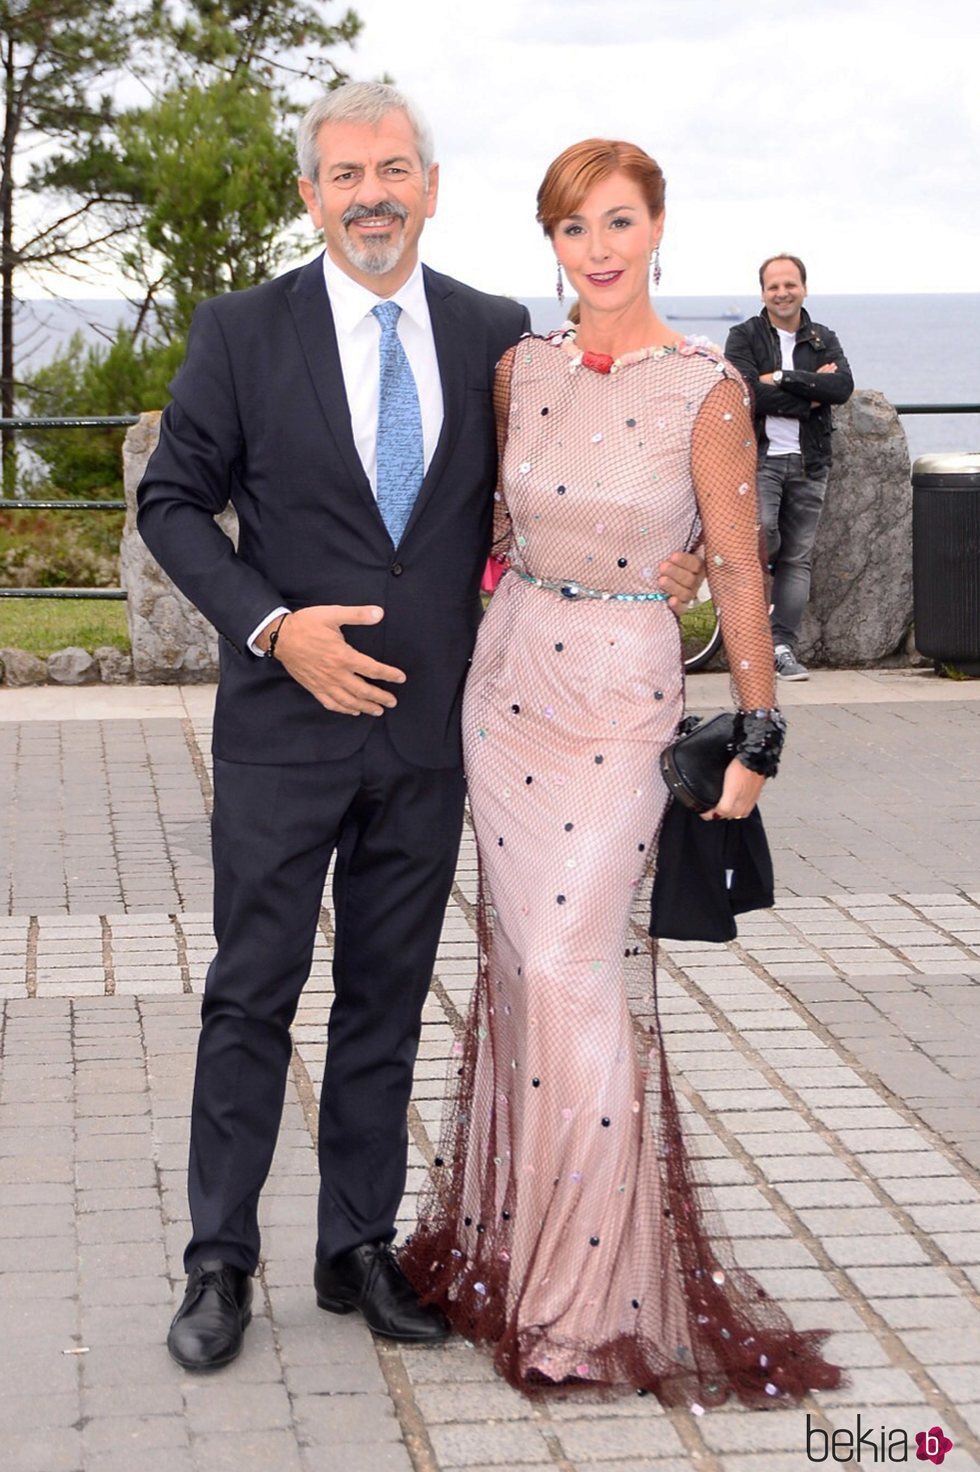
345, 410
797, 370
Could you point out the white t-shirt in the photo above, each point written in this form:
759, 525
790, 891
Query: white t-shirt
783, 434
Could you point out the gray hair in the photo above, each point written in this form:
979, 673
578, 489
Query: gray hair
358, 102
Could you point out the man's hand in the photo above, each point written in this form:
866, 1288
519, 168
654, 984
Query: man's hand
316, 654
827, 368
681, 576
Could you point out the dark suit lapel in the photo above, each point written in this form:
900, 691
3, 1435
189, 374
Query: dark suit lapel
310, 306
448, 333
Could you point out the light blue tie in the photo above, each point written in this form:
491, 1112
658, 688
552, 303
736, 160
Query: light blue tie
400, 447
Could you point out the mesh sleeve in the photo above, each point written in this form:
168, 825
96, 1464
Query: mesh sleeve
723, 465
500, 544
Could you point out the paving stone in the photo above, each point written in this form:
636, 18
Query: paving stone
938, 1346
48, 1450
798, 1283
339, 1420
255, 1451
159, 1459
917, 1164
870, 1221
726, 1431
856, 1250
134, 1434
589, 1439
924, 1190
959, 1247
925, 1313
236, 1408
471, 1401
899, 1282
133, 1401
875, 1387
509, 1445
391, 1457
957, 1217
35, 1413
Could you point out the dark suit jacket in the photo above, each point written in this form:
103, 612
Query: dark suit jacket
260, 417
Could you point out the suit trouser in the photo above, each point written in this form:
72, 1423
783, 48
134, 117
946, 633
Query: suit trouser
790, 503
395, 829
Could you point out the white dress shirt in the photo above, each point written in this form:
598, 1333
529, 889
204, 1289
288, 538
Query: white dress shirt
358, 343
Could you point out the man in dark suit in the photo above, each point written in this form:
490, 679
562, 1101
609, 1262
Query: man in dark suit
345, 410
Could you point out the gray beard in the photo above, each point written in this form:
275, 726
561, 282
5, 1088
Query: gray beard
376, 257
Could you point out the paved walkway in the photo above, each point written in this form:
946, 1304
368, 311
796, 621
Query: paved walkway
826, 1063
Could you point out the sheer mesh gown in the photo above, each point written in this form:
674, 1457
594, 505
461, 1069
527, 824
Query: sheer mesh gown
563, 1225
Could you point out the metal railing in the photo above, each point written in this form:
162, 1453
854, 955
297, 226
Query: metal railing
937, 408
85, 421
121, 421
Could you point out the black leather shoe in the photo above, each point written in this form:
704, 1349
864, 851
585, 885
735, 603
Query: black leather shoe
369, 1278
210, 1324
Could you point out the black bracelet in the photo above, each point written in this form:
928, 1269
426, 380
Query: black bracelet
759, 737
274, 637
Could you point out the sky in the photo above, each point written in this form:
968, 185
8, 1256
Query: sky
843, 131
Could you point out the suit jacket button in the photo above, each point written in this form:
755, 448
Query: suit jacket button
396, 569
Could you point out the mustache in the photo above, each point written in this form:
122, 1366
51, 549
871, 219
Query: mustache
372, 212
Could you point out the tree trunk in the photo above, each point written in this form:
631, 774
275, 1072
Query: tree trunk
9, 448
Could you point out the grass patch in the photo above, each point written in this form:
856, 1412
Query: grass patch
696, 627
43, 625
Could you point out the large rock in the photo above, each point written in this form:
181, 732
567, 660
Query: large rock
860, 606
115, 666
21, 668
171, 641
72, 666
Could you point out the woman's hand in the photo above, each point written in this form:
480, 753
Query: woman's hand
739, 794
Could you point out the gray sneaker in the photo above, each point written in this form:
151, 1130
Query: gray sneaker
788, 667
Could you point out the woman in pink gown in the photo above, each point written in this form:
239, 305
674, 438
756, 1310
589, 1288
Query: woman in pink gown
564, 1225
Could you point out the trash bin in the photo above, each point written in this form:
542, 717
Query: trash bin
946, 558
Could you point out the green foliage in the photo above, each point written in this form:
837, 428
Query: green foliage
217, 179
192, 193
276, 40
124, 378
59, 549
56, 55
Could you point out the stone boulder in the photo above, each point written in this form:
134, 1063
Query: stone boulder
115, 666
72, 666
171, 642
21, 668
860, 608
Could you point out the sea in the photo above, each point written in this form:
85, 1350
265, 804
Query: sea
922, 349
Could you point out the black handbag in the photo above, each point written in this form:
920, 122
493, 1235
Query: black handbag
694, 766
707, 871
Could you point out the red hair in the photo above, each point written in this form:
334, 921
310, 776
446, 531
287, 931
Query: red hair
581, 167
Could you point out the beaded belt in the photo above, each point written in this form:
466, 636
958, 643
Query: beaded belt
575, 590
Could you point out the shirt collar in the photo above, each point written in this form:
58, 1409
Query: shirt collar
351, 302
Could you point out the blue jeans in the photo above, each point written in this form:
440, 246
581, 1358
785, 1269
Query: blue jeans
790, 504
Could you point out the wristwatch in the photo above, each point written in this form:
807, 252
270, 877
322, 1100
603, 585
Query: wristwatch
777, 377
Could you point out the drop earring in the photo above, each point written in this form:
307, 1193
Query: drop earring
560, 288
655, 267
